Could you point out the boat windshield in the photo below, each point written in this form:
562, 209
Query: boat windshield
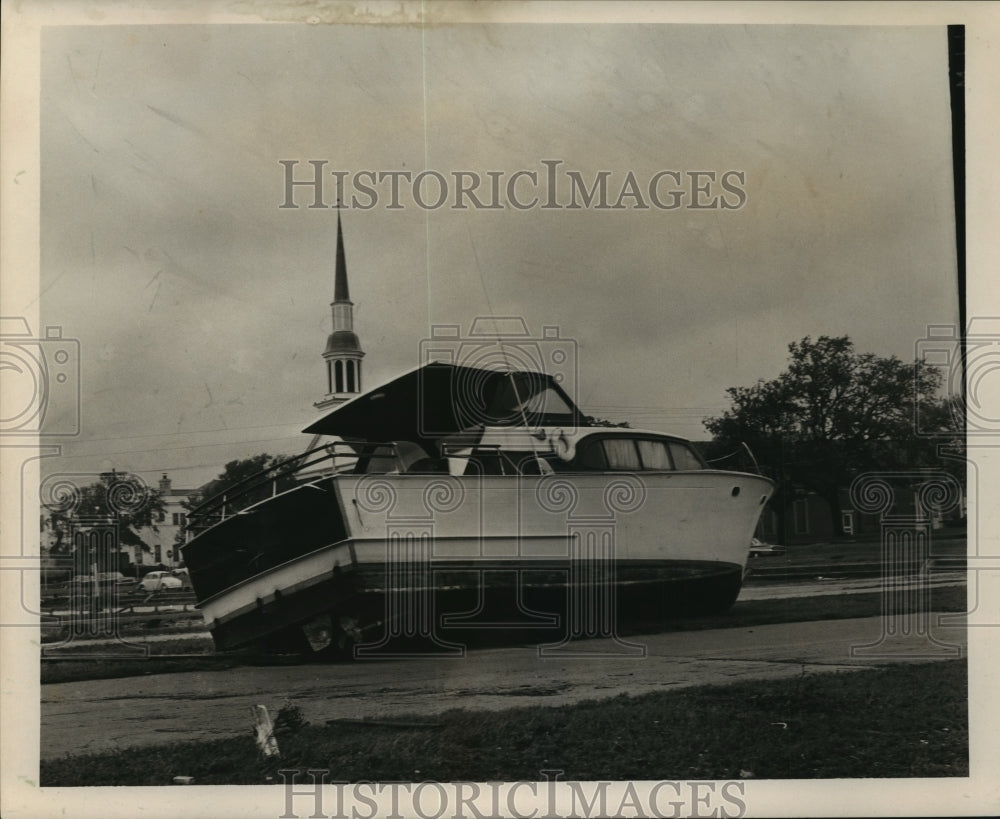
526, 395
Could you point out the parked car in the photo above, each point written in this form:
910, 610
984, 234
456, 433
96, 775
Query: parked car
183, 575
103, 579
760, 549
116, 578
156, 581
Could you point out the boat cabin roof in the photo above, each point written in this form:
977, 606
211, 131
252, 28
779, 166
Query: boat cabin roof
437, 400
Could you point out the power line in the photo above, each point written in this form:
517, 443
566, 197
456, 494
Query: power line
188, 432
646, 409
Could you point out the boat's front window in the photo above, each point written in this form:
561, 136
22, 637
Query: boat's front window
623, 453
527, 395
685, 457
546, 401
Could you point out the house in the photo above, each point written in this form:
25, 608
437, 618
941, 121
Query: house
808, 518
163, 541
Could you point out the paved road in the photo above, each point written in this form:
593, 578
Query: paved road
113, 714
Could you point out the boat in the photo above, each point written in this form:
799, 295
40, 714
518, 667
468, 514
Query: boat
459, 501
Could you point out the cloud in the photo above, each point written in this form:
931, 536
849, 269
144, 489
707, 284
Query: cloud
162, 239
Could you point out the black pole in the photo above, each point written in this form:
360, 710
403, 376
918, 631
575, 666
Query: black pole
956, 77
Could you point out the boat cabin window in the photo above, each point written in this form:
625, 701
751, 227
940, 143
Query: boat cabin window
590, 455
622, 454
635, 454
486, 462
654, 455
494, 461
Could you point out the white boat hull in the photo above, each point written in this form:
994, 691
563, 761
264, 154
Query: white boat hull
434, 545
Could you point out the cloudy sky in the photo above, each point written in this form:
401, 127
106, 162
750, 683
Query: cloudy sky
201, 306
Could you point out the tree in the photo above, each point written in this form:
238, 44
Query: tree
833, 414
118, 499
591, 421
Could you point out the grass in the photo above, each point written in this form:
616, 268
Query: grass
189, 643
899, 721
75, 663
56, 630
750, 613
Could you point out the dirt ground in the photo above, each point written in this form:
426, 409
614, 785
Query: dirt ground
102, 715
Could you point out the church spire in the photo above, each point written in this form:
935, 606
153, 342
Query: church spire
340, 292
343, 353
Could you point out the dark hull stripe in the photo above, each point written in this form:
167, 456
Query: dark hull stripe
456, 598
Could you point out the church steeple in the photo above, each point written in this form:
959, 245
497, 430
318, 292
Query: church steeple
343, 353
340, 292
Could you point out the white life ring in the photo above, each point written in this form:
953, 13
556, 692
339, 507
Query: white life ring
562, 445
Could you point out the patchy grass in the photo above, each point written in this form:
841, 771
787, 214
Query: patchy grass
194, 643
73, 663
56, 630
900, 721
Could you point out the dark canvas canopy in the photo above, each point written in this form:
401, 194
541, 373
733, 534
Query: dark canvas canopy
438, 399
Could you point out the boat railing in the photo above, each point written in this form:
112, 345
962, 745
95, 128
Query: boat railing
742, 458
310, 465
